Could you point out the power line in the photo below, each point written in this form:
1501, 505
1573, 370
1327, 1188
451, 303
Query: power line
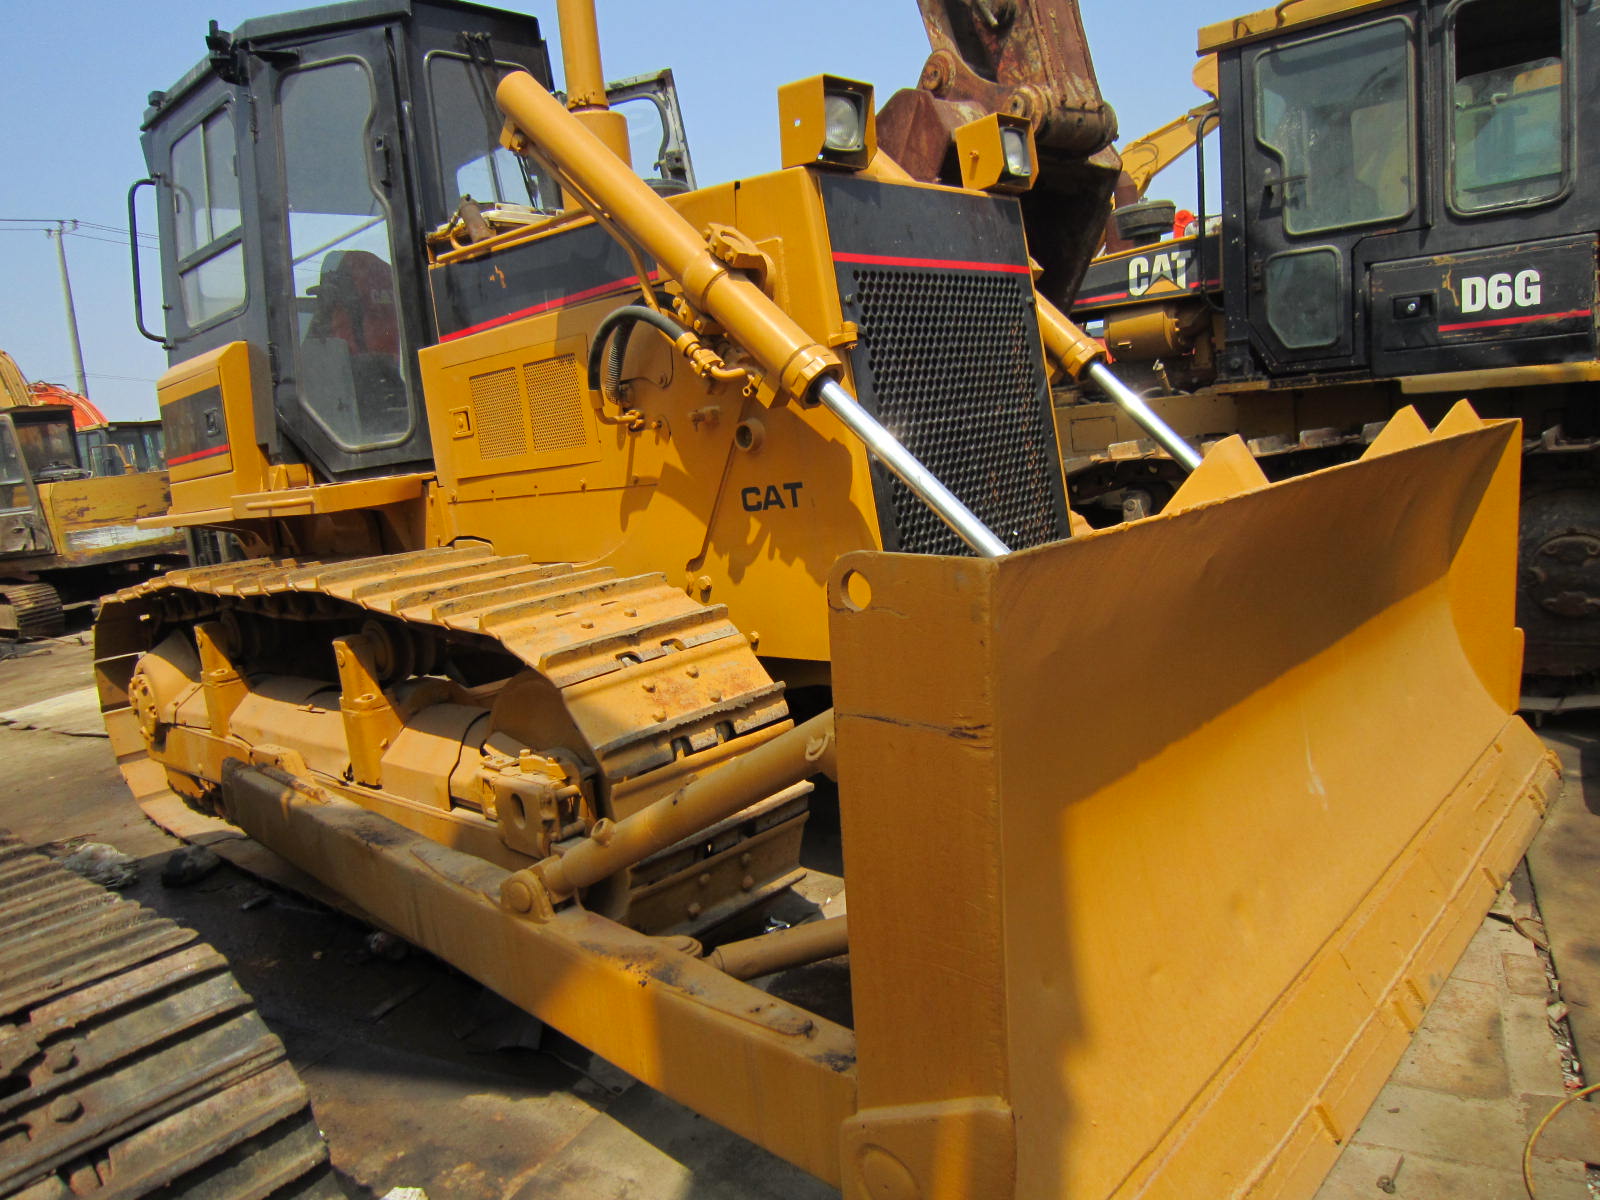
87, 237
38, 225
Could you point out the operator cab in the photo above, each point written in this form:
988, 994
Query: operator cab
298, 170
36, 447
1404, 184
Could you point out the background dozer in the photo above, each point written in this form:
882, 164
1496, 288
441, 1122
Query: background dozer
588, 520
67, 534
1408, 215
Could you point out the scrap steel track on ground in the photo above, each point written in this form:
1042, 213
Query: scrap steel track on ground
131, 1061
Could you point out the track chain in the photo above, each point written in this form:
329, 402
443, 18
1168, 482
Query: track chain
647, 673
31, 610
131, 1062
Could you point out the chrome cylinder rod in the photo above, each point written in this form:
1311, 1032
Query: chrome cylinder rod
888, 450
1141, 412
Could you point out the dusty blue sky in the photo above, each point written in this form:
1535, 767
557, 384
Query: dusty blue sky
73, 81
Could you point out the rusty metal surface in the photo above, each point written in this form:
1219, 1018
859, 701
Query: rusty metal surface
1029, 58
1025, 57
131, 1062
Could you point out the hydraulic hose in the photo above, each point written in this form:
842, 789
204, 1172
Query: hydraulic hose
605, 370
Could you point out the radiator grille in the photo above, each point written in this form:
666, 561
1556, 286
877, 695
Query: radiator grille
497, 414
555, 404
952, 359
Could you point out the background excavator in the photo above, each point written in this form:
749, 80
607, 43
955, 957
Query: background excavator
1406, 218
588, 519
68, 531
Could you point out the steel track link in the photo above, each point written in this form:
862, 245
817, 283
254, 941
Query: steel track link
31, 610
681, 673
131, 1062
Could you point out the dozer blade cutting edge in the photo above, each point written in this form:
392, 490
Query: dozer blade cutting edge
1165, 837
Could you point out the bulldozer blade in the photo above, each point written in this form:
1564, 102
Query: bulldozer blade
1160, 841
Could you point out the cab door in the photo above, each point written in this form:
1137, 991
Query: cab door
1330, 152
23, 528
342, 253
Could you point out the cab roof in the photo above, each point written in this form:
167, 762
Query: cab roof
1294, 14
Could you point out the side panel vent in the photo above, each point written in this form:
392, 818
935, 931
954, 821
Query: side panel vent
497, 414
517, 410
555, 404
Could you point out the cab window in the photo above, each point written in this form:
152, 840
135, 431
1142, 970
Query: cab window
468, 128
204, 195
13, 474
1508, 120
1336, 112
348, 337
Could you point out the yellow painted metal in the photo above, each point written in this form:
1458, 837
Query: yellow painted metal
586, 78
780, 1076
802, 122
1532, 375
1291, 14
782, 347
14, 390
1146, 157
99, 520
784, 948
702, 490
239, 371
981, 154
1280, 852
792, 757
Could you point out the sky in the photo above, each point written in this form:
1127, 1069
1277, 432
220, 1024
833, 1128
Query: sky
74, 78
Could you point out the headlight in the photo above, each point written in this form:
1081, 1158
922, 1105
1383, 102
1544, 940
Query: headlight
842, 121
827, 121
1018, 159
996, 154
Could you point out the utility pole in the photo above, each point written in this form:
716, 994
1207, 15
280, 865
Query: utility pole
72, 313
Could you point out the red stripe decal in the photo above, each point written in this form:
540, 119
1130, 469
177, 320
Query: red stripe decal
936, 264
558, 302
1577, 312
1099, 299
198, 454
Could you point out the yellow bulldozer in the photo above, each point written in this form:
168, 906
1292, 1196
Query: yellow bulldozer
67, 533
589, 517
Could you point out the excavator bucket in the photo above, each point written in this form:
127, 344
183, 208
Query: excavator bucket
1172, 831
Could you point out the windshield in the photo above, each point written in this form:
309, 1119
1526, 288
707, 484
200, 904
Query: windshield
468, 128
1336, 111
47, 445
